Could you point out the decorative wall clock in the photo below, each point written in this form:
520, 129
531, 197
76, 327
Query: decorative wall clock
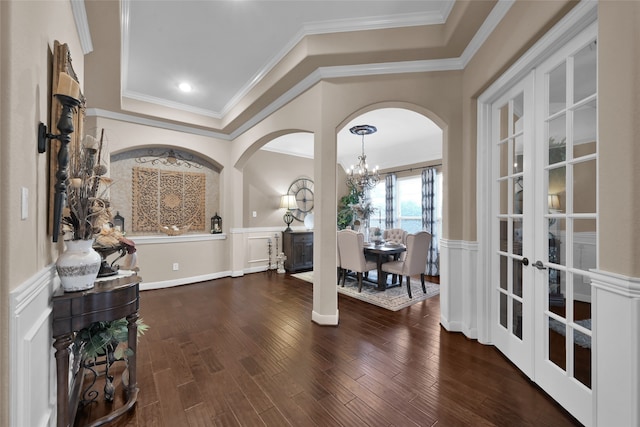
302, 189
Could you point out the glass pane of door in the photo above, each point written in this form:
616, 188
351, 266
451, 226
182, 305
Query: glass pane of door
571, 220
512, 295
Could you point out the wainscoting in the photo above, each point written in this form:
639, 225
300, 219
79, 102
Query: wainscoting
31, 352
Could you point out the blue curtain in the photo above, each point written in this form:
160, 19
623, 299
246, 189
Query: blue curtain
430, 218
390, 201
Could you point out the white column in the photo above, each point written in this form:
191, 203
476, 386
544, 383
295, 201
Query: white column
325, 293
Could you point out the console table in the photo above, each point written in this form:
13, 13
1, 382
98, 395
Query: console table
108, 300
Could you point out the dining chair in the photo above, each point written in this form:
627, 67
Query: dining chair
415, 260
395, 235
398, 236
351, 248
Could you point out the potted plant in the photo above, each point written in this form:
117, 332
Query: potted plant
108, 340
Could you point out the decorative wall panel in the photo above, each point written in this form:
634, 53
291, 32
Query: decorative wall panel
167, 198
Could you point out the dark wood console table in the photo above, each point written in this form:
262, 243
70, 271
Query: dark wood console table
108, 300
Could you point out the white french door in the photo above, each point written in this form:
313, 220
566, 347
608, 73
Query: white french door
544, 222
567, 155
512, 148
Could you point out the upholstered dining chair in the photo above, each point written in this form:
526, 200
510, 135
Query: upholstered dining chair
415, 260
351, 248
395, 235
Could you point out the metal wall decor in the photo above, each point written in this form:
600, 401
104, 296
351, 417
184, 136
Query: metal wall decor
169, 158
302, 190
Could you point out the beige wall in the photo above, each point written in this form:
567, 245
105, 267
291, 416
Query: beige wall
522, 26
27, 33
267, 176
619, 136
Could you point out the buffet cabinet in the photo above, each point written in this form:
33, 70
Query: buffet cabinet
298, 248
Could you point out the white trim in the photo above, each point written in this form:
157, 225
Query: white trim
458, 294
619, 284
82, 25
154, 240
325, 319
245, 230
126, 93
183, 281
490, 23
123, 117
29, 318
124, 46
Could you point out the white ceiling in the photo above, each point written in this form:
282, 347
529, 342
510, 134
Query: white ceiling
222, 48
403, 137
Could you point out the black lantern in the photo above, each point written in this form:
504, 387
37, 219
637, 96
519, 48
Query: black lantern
118, 221
216, 224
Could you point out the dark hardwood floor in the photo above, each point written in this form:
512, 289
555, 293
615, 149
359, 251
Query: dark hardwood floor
244, 352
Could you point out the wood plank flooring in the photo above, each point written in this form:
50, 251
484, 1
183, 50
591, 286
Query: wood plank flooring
244, 352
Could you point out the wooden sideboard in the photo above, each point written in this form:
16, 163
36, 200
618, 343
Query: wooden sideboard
298, 248
108, 300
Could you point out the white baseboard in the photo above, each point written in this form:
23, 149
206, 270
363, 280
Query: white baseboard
325, 319
183, 281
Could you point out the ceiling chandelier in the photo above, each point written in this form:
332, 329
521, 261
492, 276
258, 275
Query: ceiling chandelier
360, 176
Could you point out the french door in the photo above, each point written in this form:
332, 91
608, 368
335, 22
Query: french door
513, 241
544, 222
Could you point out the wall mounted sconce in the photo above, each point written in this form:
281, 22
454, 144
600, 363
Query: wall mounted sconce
288, 201
68, 94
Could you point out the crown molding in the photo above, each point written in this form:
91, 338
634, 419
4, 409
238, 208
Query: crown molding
495, 16
82, 25
170, 104
123, 117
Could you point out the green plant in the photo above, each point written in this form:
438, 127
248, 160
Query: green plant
101, 337
345, 210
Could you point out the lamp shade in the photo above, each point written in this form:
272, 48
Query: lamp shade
554, 202
288, 201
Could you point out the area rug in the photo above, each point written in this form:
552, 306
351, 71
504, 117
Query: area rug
393, 299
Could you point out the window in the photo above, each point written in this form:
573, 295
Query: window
377, 197
409, 204
408, 214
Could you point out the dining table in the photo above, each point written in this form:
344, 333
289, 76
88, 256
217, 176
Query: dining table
383, 252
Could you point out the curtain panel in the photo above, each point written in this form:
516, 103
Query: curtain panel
390, 201
430, 218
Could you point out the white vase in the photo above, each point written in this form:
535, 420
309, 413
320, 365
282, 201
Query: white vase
78, 265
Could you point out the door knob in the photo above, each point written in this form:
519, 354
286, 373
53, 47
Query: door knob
539, 265
525, 261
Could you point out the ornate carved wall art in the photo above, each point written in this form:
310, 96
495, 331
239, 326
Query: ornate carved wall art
166, 198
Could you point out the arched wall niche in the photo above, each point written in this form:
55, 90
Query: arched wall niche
189, 194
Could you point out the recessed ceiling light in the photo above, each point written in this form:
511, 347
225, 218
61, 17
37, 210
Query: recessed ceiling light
185, 87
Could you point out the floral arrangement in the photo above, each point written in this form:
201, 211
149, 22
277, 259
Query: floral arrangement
363, 209
87, 207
